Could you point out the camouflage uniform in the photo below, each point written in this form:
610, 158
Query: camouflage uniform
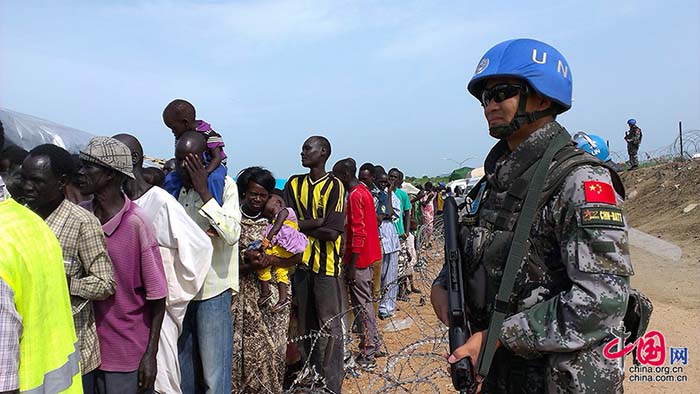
633, 136
568, 295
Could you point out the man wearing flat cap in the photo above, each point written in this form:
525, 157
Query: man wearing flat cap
129, 322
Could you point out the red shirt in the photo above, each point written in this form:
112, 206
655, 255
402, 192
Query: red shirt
361, 230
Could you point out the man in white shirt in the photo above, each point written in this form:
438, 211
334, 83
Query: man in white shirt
388, 210
207, 335
186, 253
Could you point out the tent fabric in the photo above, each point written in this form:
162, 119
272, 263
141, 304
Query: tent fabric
409, 188
29, 131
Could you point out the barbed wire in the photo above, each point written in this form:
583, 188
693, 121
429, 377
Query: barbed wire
414, 340
664, 154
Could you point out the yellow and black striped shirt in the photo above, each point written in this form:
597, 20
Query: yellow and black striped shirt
323, 198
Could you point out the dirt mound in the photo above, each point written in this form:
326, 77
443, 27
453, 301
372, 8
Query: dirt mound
657, 197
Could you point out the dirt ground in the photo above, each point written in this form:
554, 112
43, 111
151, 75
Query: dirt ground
656, 199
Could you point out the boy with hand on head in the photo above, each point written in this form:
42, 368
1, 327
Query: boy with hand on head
179, 116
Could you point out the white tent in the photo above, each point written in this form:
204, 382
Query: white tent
28, 131
409, 188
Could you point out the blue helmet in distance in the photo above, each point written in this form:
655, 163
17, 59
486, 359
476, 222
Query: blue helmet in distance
544, 68
592, 144
632, 122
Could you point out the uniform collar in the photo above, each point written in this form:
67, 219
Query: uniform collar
503, 166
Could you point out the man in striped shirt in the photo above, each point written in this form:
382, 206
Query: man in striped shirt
317, 198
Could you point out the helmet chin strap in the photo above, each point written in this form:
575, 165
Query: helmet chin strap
520, 119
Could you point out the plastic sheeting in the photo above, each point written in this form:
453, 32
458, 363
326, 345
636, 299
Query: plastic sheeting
29, 131
409, 188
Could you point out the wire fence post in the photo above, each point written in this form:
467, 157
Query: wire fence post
680, 132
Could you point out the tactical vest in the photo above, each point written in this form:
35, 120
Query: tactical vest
487, 231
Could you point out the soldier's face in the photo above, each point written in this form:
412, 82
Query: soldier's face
501, 114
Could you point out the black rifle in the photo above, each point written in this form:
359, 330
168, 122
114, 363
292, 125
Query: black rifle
462, 372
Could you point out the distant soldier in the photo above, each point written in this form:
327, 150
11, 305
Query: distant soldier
570, 288
633, 136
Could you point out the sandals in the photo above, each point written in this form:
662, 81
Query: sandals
281, 305
264, 299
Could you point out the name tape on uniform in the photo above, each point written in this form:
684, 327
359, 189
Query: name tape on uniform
599, 216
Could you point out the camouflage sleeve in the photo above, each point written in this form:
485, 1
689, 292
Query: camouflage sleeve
593, 244
638, 136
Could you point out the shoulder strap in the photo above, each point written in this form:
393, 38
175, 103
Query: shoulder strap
517, 252
566, 161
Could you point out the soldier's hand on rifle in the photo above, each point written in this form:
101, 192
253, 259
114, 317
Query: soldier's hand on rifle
439, 299
471, 349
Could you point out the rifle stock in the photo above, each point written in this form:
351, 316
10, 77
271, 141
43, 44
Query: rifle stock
462, 372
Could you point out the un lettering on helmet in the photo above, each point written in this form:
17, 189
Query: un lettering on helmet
562, 68
542, 66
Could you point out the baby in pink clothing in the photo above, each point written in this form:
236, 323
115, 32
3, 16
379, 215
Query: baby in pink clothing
284, 240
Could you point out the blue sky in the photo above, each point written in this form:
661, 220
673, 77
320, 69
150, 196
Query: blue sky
383, 80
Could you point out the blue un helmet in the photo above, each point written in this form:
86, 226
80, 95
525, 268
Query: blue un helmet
545, 70
632, 122
592, 144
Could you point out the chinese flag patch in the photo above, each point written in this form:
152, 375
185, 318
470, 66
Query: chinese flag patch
599, 192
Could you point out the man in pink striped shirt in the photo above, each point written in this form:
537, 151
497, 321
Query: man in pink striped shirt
129, 322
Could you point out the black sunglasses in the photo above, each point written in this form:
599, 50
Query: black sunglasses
500, 92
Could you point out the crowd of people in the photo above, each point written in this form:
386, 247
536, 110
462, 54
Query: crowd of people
182, 280
199, 286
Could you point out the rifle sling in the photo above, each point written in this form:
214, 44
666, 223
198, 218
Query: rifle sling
517, 252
